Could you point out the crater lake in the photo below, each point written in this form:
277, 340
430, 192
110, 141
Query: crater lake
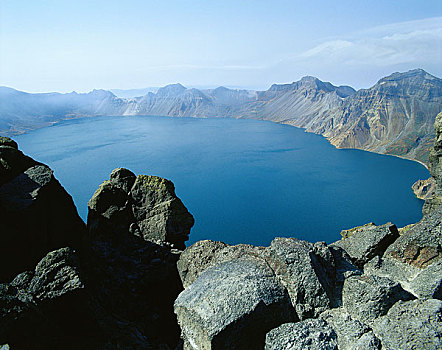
244, 181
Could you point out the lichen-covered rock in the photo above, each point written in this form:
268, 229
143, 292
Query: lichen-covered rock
135, 224
146, 206
351, 334
367, 297
312, 334
415, 324
295, 265
232, 305
37, 214
368, 241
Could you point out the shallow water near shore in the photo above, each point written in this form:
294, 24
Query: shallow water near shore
245, 181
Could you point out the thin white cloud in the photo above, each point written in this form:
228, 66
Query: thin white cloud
417, 42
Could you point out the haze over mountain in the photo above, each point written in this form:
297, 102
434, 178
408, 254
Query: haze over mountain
395, 116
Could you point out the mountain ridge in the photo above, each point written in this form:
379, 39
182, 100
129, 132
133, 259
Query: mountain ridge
395, 116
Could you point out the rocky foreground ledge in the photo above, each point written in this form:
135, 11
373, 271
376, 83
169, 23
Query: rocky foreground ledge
125, 281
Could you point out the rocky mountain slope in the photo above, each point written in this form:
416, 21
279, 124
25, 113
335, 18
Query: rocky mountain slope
125, 282
395, 116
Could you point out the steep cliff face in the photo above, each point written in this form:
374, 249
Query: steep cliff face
435, 168
296, 103
396, 116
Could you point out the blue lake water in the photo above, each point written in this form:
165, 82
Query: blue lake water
245, 181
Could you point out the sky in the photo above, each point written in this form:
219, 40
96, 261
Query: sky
57, 45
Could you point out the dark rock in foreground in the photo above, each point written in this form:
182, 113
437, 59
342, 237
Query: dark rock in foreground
48, 308
144, 205
36, 213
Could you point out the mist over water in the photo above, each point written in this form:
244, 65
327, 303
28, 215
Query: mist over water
245, 181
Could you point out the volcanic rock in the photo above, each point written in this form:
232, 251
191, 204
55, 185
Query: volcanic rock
233, 305
36, 212
306, 335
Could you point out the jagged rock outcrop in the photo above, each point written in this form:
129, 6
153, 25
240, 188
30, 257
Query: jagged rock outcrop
36, 213
144, 205
416, 250
365, 242
135, 224
117, 290
296, 265
205, 254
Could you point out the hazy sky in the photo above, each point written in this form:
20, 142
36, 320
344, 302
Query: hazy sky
57, 45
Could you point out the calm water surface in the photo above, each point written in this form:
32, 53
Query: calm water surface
245, 181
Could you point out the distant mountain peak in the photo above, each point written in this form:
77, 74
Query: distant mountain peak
101, 93
171, 90
411, 74
309, 79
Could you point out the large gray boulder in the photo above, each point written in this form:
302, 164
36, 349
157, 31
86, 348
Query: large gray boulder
232, 305
312, 334
351, 334
415, 324
367, 297
145, 206
428, 283
36, 212
367, 241
295, 265
204, 254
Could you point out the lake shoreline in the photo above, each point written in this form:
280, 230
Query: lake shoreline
49, 124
